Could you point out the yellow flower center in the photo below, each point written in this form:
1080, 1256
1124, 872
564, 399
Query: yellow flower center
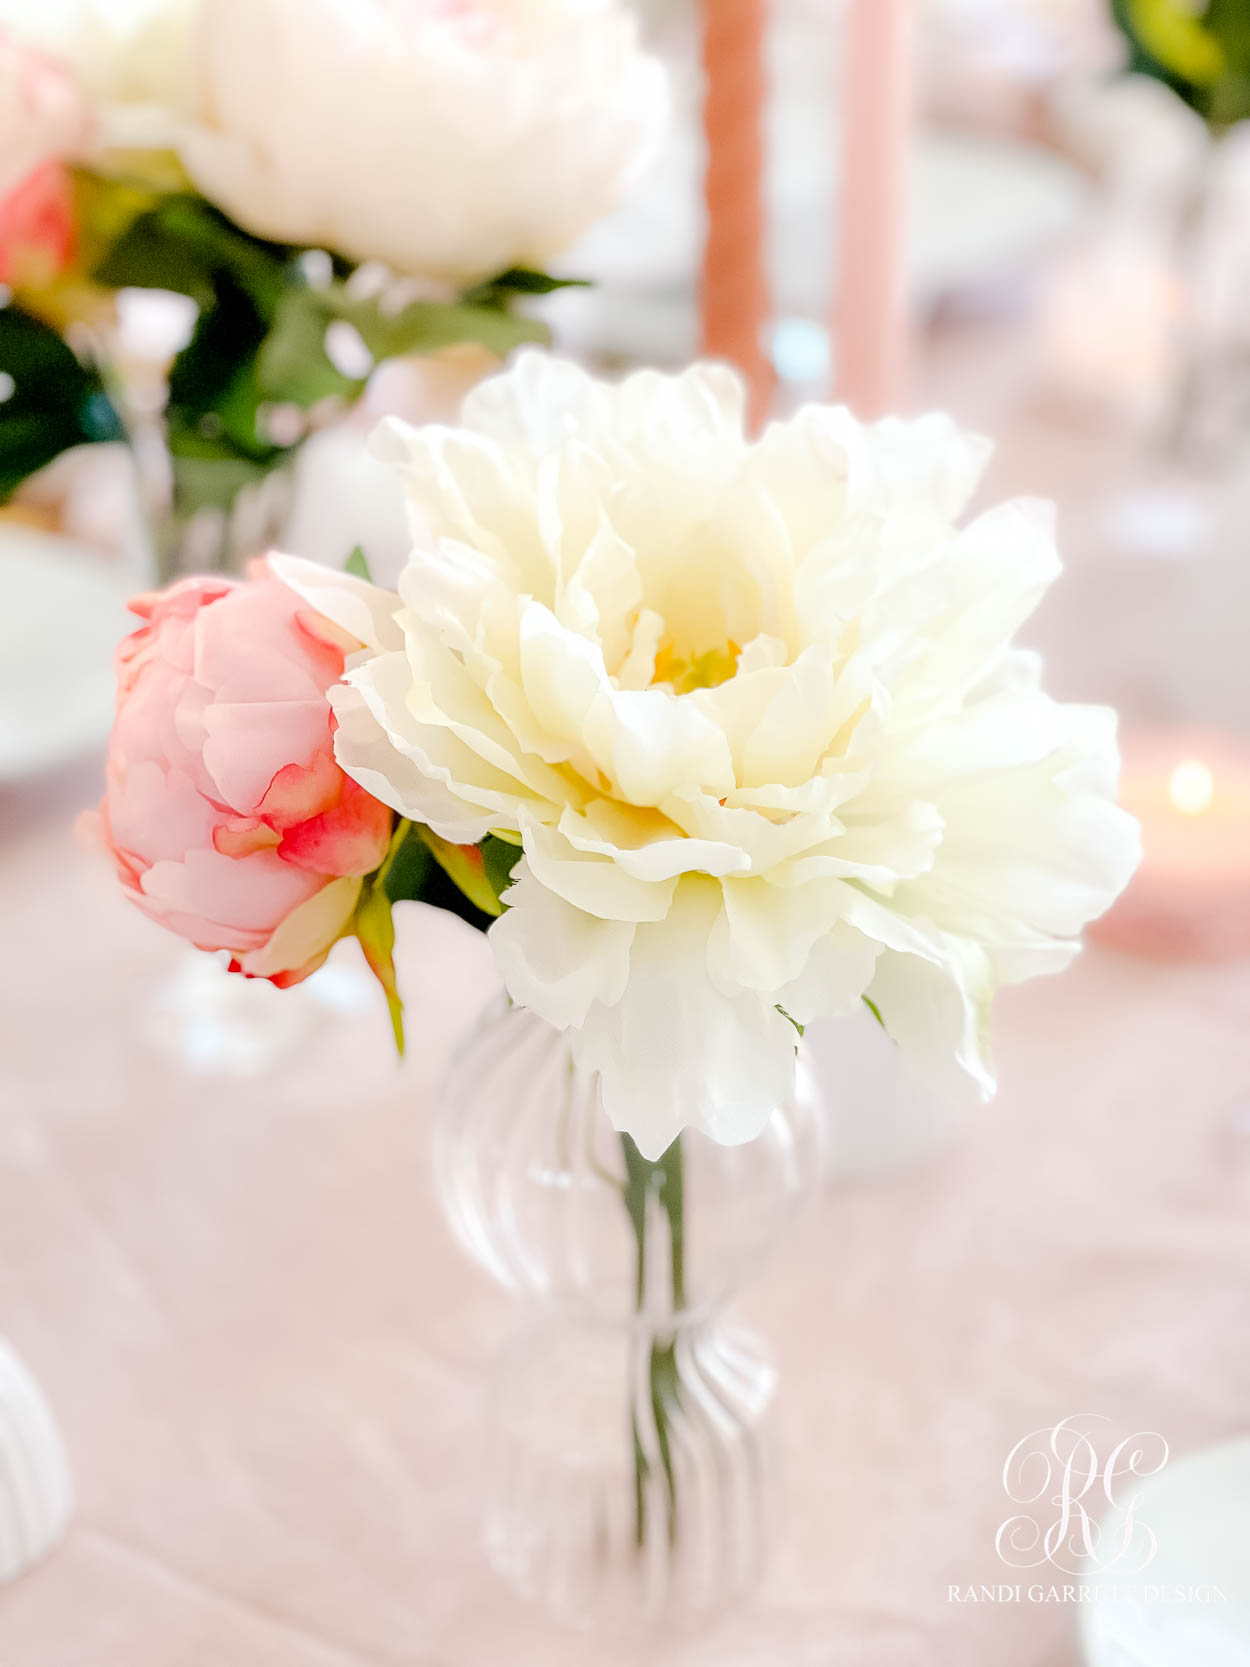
704, 671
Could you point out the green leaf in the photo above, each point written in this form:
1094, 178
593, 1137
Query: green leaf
1202, 53
293, 364
185, 244
499, 857
374, 926
465, 867
407, 872
357, 564
213, 391
209, 477
872, 1007
426, 326
412, 874
55, 402
521, 280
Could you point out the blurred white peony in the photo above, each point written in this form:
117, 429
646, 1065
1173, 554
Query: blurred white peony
131, 58
450, 138
754, 714
447, 138
42, 114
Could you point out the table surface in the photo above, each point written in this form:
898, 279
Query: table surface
269, 1358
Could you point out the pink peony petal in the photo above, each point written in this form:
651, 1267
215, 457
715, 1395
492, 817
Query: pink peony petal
250, 649
248, 894
243, 835
349, 839
327, 634
38, 237
158, 815
298, 792
248, 745
305, 937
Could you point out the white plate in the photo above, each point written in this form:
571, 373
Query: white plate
980, 211
63, 615
1190, 1606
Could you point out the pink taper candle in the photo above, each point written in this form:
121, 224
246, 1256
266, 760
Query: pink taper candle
870, 322
734, 291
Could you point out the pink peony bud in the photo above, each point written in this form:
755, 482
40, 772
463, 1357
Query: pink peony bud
226, 815
37, 235
44, 122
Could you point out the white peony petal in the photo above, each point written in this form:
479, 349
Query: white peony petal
537, 404
372, 756
796, 727
488, 797
363, 610
650, 743
764, 936
596, 884
562, 675
647, 846
1030, 855
604, 595
839, 969
557, 959
959, 614
704, 401
881, 840
939, 1020
674, 1051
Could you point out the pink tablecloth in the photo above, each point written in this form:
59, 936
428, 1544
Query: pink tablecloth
269, 1358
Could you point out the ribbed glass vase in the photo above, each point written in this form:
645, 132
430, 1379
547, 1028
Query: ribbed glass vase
631, 1462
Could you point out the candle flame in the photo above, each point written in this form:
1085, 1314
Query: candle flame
1191, 787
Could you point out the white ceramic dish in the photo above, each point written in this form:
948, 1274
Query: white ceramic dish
63, 615
1190, 1606
36, 1494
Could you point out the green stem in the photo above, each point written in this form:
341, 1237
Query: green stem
663, 1180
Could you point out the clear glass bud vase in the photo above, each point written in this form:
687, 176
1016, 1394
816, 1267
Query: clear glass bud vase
631, 1462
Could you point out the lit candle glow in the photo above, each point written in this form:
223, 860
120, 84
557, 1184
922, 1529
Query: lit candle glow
1190, 899
1192, 787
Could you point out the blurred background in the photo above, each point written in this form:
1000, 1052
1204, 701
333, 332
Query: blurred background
1078, 262
1078, 288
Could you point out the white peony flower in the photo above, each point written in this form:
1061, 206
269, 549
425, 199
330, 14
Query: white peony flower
752, 710
132, 59
449, 138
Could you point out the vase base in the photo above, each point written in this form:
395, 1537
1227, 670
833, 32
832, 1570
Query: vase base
631, 1474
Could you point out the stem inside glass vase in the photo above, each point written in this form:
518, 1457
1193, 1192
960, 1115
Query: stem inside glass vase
654, 1197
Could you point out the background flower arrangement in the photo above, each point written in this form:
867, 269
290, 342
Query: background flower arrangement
329, 186
1201, 52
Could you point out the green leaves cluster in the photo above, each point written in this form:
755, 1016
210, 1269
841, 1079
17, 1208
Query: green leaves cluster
265, 313
1202, 52
51, 400
261, 338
